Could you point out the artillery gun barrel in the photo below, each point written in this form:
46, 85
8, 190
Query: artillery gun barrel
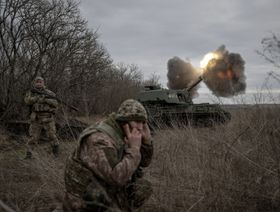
195, 83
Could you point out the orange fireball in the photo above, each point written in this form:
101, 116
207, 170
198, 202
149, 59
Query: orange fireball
225, 74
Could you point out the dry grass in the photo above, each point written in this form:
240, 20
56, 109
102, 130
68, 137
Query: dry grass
35, 184
226, 168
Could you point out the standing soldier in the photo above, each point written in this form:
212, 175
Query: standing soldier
43, 109
105, 172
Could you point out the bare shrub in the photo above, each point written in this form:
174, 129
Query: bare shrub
51, 39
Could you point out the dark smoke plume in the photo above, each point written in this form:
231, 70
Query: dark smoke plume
225, 76
181, 74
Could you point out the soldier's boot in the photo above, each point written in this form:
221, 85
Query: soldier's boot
28, 155
55, 150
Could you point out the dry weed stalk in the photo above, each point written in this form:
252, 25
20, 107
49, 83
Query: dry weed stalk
234, 167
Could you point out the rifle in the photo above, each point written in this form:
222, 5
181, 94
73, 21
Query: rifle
34, 90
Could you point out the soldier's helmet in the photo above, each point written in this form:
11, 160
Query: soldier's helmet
39, 83
38, 78
131, 110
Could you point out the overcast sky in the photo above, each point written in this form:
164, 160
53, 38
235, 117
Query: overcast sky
149, 32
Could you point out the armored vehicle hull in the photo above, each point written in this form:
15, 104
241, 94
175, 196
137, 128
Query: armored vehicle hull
175, 108
203, 115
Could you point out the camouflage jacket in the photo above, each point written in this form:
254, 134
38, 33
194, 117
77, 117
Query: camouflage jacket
41, 103
102, 156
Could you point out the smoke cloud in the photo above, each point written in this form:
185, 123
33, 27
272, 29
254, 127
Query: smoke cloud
181, 74
225, 76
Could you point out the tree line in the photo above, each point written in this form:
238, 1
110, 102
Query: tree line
50, 38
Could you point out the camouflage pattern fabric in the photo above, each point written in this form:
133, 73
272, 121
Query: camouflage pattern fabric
40, 103
36, 128
131, 110
42, 116
138, 192
105, 179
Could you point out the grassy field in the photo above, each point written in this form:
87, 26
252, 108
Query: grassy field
232, 167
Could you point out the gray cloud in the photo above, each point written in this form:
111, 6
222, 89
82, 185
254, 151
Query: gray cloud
149, 32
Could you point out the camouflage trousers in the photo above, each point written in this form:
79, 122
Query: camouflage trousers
137, 193
40, 123
96, 198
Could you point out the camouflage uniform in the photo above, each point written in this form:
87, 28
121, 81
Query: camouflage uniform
43, 110
104, 174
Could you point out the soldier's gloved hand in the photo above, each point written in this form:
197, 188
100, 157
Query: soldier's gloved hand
133, 137
146, 134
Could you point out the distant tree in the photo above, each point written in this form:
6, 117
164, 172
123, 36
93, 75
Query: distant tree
36, 38
271, 53
12, 36
51, 39
152, 80
124, 82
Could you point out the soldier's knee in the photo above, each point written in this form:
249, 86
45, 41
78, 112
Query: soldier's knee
97, 199
139, 192
143, 186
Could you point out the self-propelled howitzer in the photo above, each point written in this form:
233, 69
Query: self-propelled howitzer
168, 107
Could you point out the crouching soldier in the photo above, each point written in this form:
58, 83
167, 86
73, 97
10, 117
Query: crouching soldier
105, 172
43, 109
